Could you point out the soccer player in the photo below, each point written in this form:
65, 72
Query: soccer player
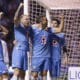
57, 40
3, 67
19, 55
40, 49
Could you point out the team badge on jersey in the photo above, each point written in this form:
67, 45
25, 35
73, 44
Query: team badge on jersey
43, 40
54, 42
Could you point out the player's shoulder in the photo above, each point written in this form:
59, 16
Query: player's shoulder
61, 34
16, 26
51, 29
34, 26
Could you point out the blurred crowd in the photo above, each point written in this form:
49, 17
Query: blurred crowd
8, 9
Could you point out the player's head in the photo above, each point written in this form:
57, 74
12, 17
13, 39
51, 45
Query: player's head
24, 19
43, 20
55, 22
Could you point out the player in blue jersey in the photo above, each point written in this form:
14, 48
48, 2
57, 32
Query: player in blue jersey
40, 49
3, 67
21, 47
57, 40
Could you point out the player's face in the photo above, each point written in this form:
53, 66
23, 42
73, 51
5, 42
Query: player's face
54, 24
25, 20
44, 22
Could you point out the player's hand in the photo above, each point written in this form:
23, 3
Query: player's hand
14, 42
62, 16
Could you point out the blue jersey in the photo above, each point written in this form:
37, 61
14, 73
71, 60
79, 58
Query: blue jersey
57, 41
21, 36
1, 51
40, 43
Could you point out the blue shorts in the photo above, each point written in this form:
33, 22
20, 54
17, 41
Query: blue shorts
3, 68
39, 64
19, 59
55, 67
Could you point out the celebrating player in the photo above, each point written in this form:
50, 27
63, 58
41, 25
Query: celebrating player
19, 56
3, 66
57, 41
40, 49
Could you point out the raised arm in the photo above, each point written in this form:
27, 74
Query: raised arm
61, 25
16, 17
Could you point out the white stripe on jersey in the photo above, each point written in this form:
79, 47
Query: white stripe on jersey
5, 52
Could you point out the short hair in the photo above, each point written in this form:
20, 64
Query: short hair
57, 20
39, 18
21, 16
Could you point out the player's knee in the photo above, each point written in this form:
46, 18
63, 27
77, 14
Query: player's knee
43, 73
22, 73
5, 75
16, 71
0, 77
35, 74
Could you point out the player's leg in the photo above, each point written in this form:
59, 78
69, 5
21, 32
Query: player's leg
16, 63
55, 72
43, 75
24, 65
5, 76
0, 77
58, 69
3, 71
45, 68
22, 75
34, 70
35, 67
34, 75
16, 74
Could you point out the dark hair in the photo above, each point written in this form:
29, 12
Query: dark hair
39, 18
54, 19
22, 15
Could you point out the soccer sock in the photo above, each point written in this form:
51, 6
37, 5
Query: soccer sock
14, 78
